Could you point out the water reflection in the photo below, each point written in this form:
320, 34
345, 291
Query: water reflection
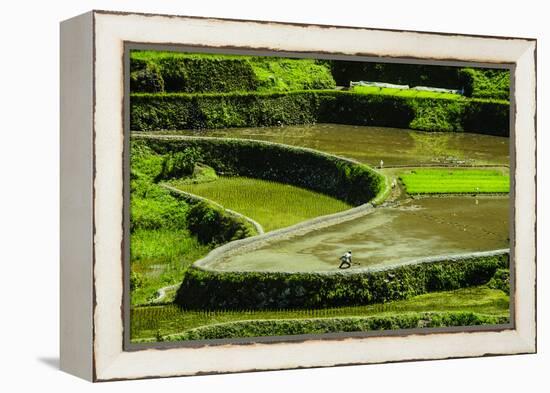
371, 144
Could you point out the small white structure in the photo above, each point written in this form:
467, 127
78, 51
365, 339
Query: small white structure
378, 84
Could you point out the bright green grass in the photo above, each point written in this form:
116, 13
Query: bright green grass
159, 258
405, 92
274, 205
152, 321
447, 181
280, 74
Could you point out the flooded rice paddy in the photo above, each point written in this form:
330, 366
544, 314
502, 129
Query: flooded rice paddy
415, 229
390, 235
371, 144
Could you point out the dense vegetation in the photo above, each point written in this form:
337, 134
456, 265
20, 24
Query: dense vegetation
501, 280
160, 243
151, 112
443, 181
475, 82
167, 233
204, 289
154, 72
485, 83
156, 208
274, 205
169, 319
159, 258
158, 71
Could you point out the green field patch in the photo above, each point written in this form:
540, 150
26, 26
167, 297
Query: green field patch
153, 322
450, 181
274, 205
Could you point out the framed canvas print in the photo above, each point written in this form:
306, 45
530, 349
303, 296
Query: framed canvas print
246, 195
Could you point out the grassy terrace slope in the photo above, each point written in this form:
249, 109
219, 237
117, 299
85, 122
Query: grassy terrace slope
447, 181
274, 205
163, 320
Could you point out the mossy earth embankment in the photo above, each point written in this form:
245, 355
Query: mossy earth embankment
206, 288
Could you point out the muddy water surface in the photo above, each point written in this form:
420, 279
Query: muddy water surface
371, 144
416, 229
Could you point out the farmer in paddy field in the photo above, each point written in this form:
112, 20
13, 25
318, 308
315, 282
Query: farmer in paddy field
345, 261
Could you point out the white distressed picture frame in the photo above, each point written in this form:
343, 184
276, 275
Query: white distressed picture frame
92, 191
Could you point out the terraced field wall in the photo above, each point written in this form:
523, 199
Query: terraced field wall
208, 289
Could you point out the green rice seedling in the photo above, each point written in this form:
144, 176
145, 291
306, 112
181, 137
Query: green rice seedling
452, 180
274, 205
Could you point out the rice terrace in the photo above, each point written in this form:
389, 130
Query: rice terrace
275, 196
